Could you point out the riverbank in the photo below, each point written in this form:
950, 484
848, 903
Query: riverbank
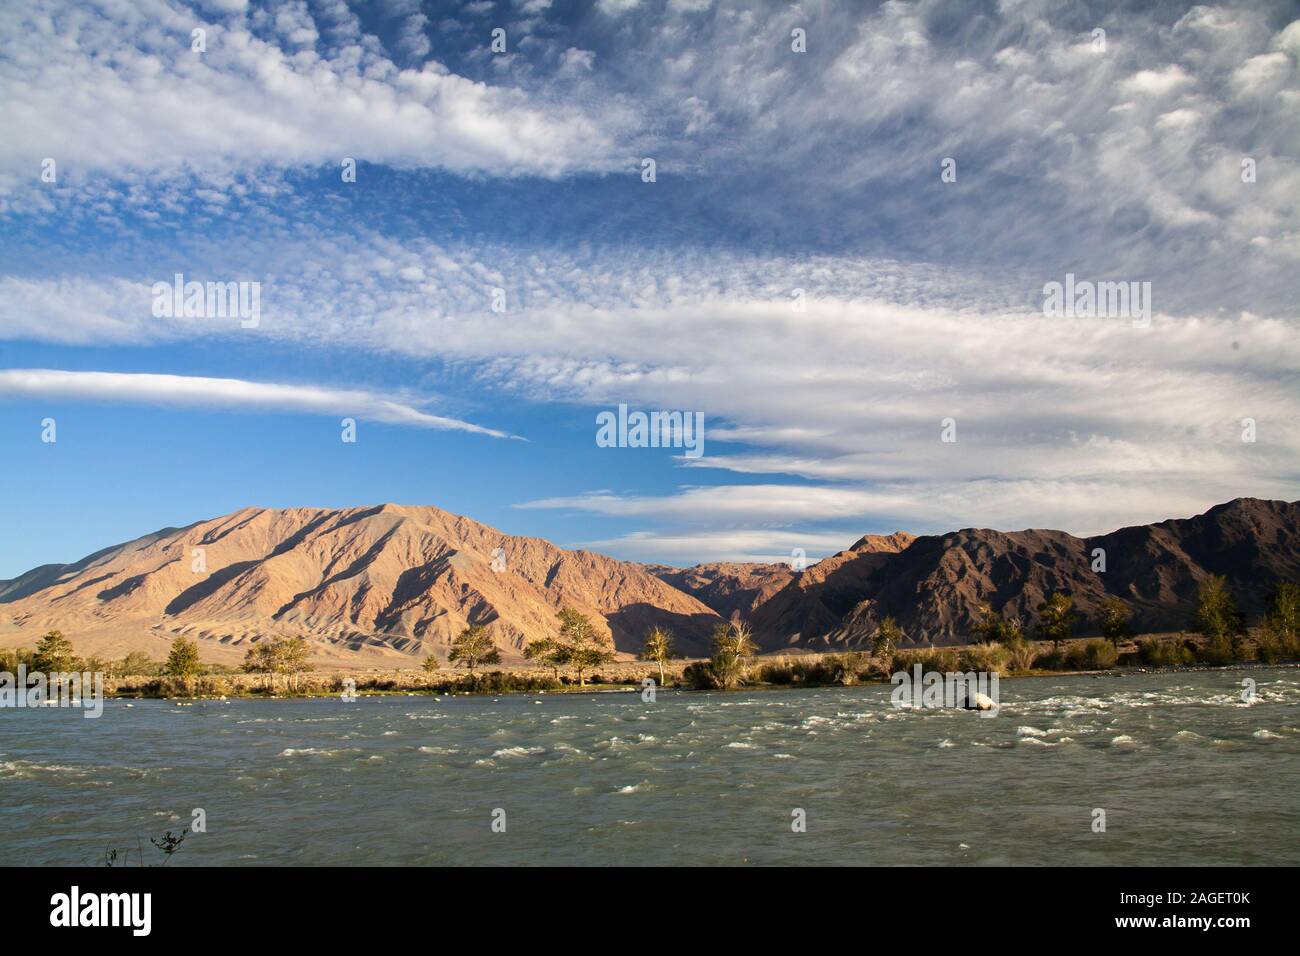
775, 673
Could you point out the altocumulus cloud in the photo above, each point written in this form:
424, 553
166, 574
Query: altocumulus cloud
1071, 423
199, 391
112, 89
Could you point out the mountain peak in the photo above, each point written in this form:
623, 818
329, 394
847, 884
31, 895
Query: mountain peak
389, 581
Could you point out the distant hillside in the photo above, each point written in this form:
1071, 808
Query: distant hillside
391, 581
934, 587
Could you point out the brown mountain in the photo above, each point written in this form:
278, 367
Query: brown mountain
730, 588
388, 580
785, 607
934, 587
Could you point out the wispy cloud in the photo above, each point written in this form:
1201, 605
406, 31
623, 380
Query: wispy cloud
201, 392
851, 391
695, 547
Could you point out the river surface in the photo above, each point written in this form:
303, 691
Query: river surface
1186, 771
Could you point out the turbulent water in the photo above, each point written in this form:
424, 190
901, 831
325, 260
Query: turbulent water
1186, 771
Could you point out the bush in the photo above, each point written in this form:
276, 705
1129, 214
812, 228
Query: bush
983, 657
1053, 660
780, 672
499, 682
1093, 655
1020, 655
700, 676
1218, 652
1269, 649
1158, 653
833, 669
941, 659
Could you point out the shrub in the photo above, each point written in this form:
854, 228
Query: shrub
1020, 655
499, 682
1218, 652
1268, 649
1095, 655
775, 672
983, 657
1052, 660
700, 676
1158, 653
941, 659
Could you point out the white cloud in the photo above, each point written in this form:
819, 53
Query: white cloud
726, 503
115, 90
695, 547
850, 392
616, 8
199, 392
1158, 82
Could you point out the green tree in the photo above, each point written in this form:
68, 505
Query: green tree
54, 654
291, 654
1217, 616
1282, 623
260, 659
183, 661
472, 647
137, 664
1056, 617
548, 651
733, 646
582, 648
430, 665
987, 628
1113, 620
11, 658
658, 648
990, 627
886, 639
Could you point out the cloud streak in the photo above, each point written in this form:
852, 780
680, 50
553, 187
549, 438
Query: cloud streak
201, 392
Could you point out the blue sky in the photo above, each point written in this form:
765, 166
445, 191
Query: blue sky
1113, 157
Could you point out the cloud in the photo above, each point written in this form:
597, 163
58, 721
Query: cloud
850, 393
116, 91
695, 547
616, 8
1155, 82
817, 172
726, 503
821, 519
199, 392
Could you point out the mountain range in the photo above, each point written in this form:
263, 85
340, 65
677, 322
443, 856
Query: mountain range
382, 584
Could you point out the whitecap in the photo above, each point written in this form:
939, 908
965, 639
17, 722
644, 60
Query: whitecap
518, 751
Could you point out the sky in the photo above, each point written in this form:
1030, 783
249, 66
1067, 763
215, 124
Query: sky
839, 261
